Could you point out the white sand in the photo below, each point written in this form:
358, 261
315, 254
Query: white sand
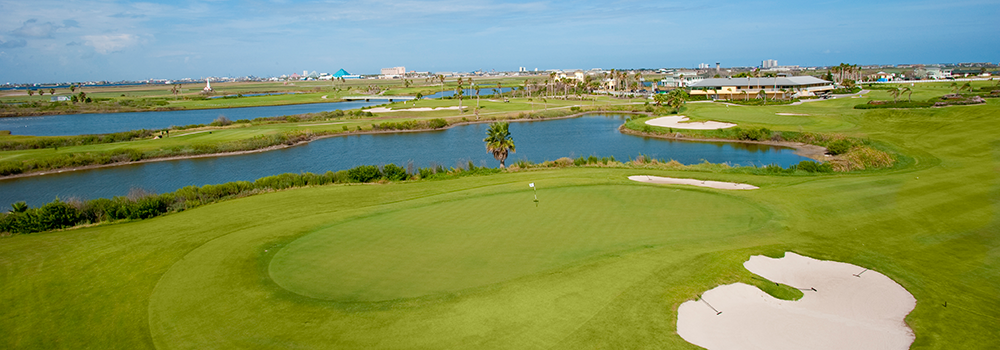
693, 182
846, 311
792, 114
418, 109
677, 122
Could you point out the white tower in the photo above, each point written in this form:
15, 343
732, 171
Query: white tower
208, 85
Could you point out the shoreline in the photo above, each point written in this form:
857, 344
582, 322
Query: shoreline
266, 149
802, 149
162, 109
805, 150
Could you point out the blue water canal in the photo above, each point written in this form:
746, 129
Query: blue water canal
536, 141
103, 123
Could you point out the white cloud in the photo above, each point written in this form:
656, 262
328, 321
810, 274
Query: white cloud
105, 44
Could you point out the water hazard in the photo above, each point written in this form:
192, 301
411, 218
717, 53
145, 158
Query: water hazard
536, 141
103, 123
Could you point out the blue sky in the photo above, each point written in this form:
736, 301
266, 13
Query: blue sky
56, 41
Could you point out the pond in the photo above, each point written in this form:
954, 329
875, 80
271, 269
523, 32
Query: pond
103, 123
536, 141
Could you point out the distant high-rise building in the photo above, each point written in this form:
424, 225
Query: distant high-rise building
718, 65
522, 69
703, 66
769, 64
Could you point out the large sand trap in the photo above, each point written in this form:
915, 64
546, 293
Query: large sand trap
418, 109
851, 308
692, 182
676, 122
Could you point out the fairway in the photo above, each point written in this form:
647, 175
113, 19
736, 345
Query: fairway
471, 262
454, 245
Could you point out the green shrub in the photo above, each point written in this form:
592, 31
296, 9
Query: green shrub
364, 173
839, 146
394, 172
438, 123
813, 167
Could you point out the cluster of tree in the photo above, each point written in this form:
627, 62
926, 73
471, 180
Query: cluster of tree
674, 99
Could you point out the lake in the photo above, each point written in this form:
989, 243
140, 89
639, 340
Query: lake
536, 141
104, 123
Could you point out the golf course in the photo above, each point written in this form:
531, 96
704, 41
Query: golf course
599, 261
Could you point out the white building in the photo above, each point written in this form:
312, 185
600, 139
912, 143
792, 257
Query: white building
393, 72
704, 66
769, 64
747, 88
680, 79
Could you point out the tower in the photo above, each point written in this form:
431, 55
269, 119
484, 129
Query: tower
716, 67
208, 85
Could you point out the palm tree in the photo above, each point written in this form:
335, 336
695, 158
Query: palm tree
967, 86
676, 99
954, 87
500, 91
459, 92
895, 93
499, 142
31, 92
441, 78
908, 91
19, 207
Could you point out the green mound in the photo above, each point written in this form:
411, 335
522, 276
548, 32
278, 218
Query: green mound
456, 245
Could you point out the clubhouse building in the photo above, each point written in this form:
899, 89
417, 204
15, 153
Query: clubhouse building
747, 88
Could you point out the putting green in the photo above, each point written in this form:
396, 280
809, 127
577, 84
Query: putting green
455, 245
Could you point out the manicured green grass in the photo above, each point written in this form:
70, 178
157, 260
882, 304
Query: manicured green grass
448, 247
460, 263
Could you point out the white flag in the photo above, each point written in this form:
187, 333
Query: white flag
532, 185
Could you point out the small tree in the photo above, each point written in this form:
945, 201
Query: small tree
31, 92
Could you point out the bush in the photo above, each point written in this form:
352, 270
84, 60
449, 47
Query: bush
437, 123
394, 172
761, 134
813, 167
839, 146
364, 173
221, 121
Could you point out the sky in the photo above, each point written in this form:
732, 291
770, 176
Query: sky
72, 41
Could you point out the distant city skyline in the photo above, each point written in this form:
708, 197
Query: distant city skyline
49, 41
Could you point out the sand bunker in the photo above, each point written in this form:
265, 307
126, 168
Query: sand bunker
843, 307
792, 114
676, 122
418, 109
693, 182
